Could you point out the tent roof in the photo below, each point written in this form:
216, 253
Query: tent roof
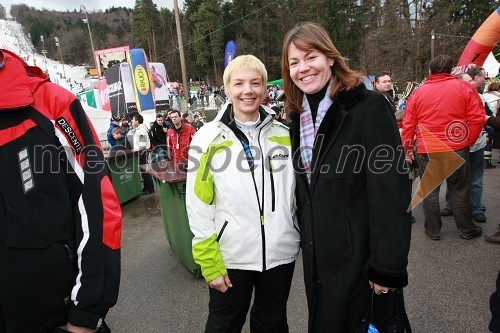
278, 82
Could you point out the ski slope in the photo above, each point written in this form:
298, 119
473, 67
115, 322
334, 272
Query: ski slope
13, 38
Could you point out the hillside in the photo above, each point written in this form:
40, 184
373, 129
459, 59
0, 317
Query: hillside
110, 28
12, 38
73, 78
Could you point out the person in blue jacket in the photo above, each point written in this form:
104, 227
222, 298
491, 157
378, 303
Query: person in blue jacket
114, 123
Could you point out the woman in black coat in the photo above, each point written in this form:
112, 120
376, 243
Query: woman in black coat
352, 183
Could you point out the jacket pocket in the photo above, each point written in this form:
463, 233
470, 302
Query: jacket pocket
69, 249
221, 231
4, 203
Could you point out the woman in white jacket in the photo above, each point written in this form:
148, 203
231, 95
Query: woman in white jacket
241, 206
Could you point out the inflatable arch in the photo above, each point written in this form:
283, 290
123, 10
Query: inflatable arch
483, 41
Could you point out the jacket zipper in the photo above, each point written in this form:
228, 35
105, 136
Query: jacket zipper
261, 209
262, 222
273, 199
221, 231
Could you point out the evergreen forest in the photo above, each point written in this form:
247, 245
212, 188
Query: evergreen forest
375, 35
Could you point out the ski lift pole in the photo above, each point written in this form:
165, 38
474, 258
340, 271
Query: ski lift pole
44, 51
60, 53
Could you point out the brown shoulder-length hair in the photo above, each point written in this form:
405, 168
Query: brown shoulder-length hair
309, 36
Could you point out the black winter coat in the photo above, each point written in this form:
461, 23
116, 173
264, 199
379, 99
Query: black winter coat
353, 216
495, 123
157, 136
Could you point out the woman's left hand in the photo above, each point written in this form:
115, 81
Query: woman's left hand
379, 289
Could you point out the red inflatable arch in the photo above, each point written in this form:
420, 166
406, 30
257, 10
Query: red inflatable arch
483, 41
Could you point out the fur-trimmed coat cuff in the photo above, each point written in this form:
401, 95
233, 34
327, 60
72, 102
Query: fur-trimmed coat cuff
391, 281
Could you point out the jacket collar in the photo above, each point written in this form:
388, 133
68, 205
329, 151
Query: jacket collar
20, 79
142, 127
440, 77
226, 117
226, 114
344, 100
347, 98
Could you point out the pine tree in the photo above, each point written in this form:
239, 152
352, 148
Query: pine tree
207, 38
145, 23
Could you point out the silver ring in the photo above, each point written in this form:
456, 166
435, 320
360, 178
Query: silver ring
384, 291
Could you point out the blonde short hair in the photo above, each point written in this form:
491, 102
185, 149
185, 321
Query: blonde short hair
241, 63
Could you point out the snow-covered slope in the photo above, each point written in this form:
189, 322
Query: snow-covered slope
13, 39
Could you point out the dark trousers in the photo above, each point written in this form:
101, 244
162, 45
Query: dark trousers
146, 177
159, 153
228, 311
458, 186
35, 287
476, 159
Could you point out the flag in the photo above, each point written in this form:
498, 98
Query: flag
229, 53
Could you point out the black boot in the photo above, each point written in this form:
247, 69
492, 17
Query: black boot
487, 164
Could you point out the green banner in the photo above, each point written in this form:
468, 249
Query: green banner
88, 98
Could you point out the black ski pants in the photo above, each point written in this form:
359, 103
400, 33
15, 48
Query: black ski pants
228, 311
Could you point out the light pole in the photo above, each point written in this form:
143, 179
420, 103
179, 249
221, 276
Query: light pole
32, 49
433, 36
44, 51
60, 53
86, 20
181, 51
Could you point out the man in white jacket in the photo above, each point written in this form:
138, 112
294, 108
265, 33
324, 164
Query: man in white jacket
142, 143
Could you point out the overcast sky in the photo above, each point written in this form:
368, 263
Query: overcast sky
90, 4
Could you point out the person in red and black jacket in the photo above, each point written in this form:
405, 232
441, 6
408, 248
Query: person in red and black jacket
60, 219
179, 137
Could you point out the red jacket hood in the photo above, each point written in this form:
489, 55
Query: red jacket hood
18, 81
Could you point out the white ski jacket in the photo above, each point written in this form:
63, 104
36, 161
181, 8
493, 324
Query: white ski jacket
241, 219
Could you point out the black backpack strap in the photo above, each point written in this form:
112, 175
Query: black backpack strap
44, 123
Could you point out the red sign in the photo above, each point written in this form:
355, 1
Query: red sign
103, 95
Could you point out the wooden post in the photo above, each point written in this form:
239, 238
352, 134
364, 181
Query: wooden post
432, 43
181, 51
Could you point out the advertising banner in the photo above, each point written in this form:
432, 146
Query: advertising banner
103, 96
128, 87
107, 58
115, 90
141, 77
230, 52
161, 85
